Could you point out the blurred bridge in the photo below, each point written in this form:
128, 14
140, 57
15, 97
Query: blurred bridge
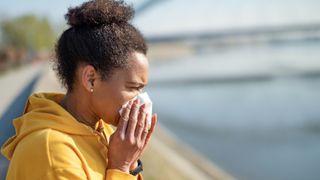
188, 43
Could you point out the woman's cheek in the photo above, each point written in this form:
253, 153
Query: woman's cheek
120, 100
128, 95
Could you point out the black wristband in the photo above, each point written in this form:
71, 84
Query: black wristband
138, 169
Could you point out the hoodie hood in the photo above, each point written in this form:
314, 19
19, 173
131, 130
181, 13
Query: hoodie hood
43, 111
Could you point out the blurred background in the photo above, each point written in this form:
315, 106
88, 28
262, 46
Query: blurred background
236, 84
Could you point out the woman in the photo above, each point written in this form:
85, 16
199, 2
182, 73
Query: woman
101, 59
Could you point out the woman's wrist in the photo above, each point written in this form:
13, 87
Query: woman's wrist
123, 168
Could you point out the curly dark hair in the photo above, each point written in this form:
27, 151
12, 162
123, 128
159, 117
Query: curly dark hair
100, 35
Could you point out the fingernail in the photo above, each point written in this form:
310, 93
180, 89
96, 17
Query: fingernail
142, 107
137, 101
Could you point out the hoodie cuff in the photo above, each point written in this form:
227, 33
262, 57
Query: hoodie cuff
114, 174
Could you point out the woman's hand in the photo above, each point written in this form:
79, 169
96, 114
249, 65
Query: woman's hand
130, 139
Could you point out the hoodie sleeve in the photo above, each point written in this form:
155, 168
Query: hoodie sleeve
65, 174
78, 174
114, 174
67, 163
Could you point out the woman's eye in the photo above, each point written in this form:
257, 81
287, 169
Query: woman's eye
139, 89
135, 88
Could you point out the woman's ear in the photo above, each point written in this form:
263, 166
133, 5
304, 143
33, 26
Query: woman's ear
88, 77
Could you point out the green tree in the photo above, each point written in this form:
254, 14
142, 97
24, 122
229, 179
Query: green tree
29, 32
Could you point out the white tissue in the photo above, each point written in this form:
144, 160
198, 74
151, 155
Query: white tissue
144, 99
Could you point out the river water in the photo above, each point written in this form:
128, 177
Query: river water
252, 127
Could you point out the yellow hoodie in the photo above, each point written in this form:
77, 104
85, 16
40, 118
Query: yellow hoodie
51, 144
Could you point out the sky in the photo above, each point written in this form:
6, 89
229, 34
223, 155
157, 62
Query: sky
179, 16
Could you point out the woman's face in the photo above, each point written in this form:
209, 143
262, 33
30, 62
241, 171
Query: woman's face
108, 96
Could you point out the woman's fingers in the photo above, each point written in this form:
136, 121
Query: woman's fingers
133, 119
140, 122
145, 129
134, 124
124, 118
147, 132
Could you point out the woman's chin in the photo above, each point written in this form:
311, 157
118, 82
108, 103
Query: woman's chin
113, 122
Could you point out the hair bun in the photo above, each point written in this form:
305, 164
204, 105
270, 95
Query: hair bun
99, 12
